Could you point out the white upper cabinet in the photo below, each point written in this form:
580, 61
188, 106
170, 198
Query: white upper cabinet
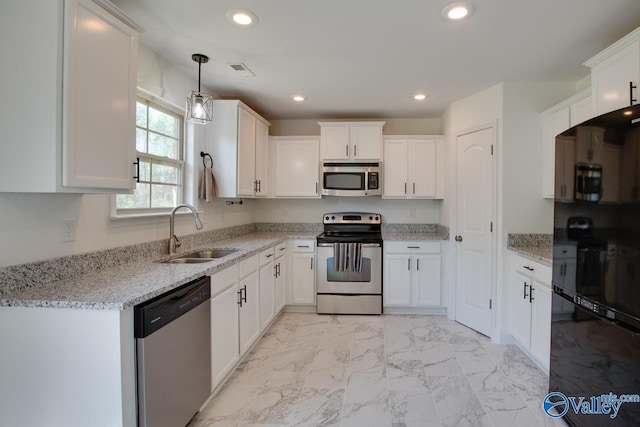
413, 167
296, 167
238, 141
615, 74
351, 141
77, 71
556, 120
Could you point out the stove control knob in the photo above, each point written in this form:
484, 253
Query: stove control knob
333, 217
370, 218
327, 218
377, 218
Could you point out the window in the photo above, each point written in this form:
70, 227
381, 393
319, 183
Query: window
159, 148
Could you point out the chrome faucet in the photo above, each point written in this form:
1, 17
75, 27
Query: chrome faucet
173, 240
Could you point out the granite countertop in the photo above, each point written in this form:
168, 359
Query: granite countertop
123, 286
118, 287
436, 235
537, 247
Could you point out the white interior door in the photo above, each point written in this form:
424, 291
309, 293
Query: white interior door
474, 254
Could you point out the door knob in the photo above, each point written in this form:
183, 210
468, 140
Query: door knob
458, 238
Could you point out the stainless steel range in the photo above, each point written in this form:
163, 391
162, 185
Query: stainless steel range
349, 273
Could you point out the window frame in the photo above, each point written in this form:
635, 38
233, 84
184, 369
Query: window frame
178, 113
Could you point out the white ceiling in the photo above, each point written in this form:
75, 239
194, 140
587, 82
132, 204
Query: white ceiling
366, 58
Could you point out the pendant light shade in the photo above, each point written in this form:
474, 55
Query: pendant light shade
199, 105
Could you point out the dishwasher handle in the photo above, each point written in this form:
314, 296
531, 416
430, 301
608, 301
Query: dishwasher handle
152, 315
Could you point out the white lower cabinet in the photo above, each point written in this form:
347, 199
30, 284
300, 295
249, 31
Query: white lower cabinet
225, 348
281, 276
249, 302
267, 288
531, 308
302, 283
412, 274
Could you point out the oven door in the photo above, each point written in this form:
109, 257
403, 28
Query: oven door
367, 281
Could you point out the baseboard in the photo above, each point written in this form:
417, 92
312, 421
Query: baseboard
440, 311
299, 308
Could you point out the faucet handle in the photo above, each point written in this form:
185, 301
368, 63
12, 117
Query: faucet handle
177, 241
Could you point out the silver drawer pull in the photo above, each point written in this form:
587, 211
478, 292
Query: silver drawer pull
413, 247
269, 255
303, 246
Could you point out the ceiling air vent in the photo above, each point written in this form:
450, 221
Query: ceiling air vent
242, 70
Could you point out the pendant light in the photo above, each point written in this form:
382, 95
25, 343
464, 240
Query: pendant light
199, 105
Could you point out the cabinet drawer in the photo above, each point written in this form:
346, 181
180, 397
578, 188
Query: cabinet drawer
564, 251
223, 279
303, 245
266, 256
533, 269
410, 246
248, 266
280, 249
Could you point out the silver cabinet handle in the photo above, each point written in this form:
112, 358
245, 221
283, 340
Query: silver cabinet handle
531, 298
413, 247
282, 249
405, 188
529, 268
414, 188
347, 147
355, 151
409, 264
269, 255
311, 263
418, 264
525, 290
303, 246
631, 88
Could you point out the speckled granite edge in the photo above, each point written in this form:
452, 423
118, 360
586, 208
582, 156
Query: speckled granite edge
415, 232
289, 227
530, 239
16, 277
538, 247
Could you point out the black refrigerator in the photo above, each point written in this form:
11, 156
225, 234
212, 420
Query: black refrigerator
594, 377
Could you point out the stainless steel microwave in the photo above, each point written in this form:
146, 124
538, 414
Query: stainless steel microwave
351, 179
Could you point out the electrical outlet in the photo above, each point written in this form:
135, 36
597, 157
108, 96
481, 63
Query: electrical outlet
69, 230
285, 213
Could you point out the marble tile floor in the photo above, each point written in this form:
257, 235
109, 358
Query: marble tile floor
389, 370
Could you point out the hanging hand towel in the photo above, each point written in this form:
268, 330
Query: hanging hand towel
208, 189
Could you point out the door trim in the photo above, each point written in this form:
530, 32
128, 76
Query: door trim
495, 248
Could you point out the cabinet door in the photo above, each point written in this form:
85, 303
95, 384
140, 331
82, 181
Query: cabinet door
267, 294
552, 125
249, 312
262, 159
334, 141
98, 130
281, 283
541, 323
296, 168
423, 160
521, 309
396, 168
224, 334
426, 281
610, 79
246, 153
397, 280
303, 280
565, 168
581, 111
589, 144
611, 159
366, 142
628, 187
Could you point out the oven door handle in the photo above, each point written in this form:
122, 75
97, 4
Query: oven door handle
364, 245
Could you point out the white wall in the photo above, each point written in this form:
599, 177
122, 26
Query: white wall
423, 126
310, 211
31, 224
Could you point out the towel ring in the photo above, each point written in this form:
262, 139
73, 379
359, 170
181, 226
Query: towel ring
204, 160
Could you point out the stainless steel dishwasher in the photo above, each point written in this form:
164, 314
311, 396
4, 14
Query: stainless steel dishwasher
173, 353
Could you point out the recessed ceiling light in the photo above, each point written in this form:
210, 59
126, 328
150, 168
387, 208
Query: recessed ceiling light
457, 11
298, 98
420, 97
242, 17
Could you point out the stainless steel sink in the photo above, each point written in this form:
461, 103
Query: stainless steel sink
201, 256
212, 253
